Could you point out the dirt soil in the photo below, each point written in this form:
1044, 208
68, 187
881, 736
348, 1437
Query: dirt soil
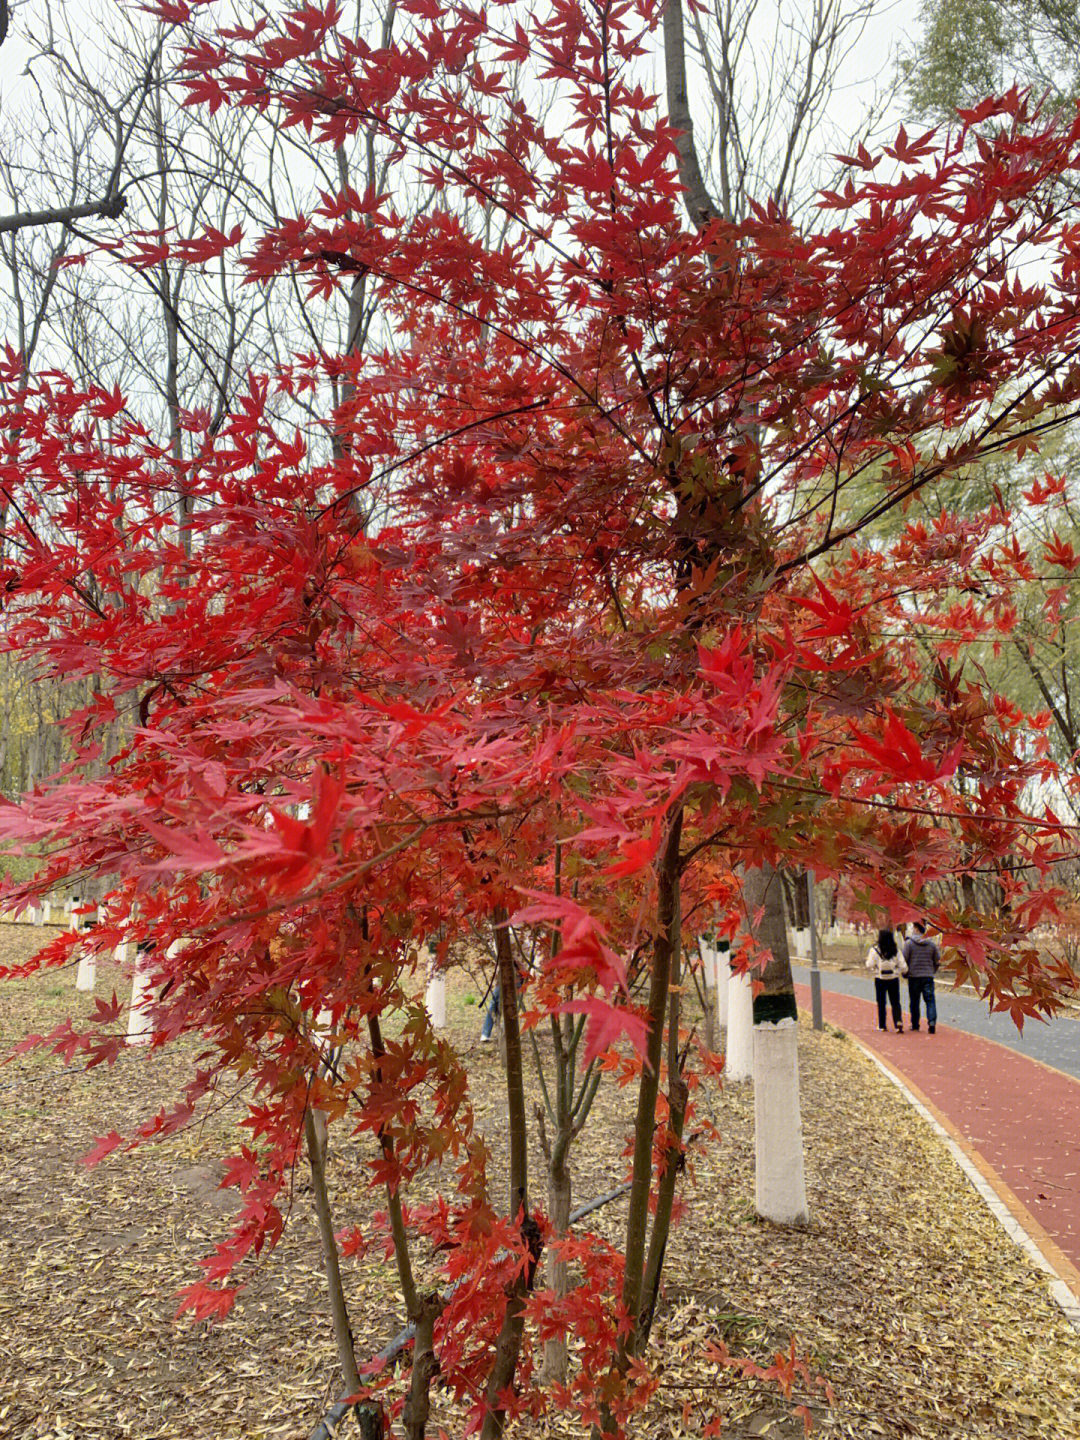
903, 1291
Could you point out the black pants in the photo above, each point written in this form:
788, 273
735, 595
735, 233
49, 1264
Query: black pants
922, 987
891, 988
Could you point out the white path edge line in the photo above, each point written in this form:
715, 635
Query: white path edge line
1061, 1292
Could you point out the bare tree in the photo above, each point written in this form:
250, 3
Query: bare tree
763, 77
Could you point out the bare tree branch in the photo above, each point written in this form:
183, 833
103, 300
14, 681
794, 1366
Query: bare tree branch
110, 208
698, 202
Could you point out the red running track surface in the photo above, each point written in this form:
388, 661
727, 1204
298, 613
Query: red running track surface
1021, 1117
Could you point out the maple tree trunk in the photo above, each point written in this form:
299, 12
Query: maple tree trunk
315, 1135
395, 1212
421, 1312
706, 991
508, 1345
678, 1095
569, 1116
424, 1369
780, 1186
677, 1098
664, 949
560, 1190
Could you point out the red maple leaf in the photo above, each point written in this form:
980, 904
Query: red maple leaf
608, 1023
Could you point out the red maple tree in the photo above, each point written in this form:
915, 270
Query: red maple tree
594, 575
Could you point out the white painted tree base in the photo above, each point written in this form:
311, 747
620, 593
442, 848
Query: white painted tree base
708, 964
140, 1027
723, 985
779, 1181
739, 1053
800, 944
86, 974
435, 1001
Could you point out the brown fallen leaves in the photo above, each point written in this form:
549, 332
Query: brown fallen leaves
903, 1291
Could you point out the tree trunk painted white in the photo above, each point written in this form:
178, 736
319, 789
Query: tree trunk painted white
46, 912
36, 915
800, 943
779, 1183
708, 974
780, 1188
739, 1055
435, 1000
86, 974
708, 964
723, 986
140, 1027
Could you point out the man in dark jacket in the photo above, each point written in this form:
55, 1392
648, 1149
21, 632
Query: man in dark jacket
923, 958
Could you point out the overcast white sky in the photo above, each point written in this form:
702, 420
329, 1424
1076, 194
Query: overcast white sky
872, 61
869, 66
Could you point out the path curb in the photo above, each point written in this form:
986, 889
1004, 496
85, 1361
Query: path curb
1063, 1278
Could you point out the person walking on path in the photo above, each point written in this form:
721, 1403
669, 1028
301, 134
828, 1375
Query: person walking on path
492, 1014
922, 957
888, 965
495, 1008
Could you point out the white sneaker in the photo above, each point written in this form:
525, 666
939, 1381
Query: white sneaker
485, 1039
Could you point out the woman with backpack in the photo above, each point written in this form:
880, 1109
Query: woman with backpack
888, 964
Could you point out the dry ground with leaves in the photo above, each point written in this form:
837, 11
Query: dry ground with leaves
903, 1291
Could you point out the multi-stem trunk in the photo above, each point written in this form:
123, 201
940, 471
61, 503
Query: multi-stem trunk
665, 949
508, 1345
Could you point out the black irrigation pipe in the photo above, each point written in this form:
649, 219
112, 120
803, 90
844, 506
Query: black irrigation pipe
334, 1416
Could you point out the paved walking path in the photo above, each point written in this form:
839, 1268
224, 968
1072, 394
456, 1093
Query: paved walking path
1017, 1115
1055, 1042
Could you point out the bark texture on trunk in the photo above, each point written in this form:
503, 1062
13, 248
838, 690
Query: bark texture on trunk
698, 203
424, 1369
763, 891
553, 1370
315, 1135
678, 1094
